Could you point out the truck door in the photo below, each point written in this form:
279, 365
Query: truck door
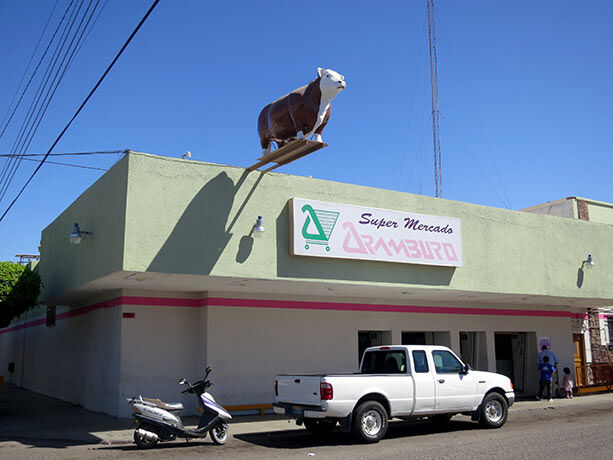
424, 383
455, 390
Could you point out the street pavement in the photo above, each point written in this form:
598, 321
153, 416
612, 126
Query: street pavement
36, 426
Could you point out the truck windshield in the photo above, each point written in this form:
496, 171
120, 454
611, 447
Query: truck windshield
384, 362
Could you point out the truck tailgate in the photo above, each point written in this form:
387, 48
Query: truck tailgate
299, 389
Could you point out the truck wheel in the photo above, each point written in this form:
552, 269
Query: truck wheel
370, 422
319, 427
493, 411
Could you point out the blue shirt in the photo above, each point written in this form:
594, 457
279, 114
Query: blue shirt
547, 371
553, 359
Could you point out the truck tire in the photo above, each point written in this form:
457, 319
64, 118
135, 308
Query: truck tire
319, 427
370, 422
493, 411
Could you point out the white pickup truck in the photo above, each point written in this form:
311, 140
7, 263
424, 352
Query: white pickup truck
403, 381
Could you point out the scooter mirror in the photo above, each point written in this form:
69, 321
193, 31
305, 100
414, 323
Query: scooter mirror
208, 370
182, 382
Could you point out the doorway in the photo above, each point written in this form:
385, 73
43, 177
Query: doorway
579, 344
516, 354
473, 349
426, 338
372, 339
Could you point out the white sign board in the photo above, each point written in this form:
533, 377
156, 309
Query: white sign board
321, 229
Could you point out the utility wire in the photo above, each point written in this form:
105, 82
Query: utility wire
66, 164
26, 71
101, 152
472, 106
54, 86
10, 167
475, 162
142, 21
2, 174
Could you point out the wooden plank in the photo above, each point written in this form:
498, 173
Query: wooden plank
288, 153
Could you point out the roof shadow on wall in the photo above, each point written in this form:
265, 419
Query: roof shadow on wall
352, 270
200, 236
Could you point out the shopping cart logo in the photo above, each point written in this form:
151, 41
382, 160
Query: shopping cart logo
323, 221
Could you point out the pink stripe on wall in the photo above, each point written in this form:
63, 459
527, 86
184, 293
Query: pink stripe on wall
293, 305
305, 305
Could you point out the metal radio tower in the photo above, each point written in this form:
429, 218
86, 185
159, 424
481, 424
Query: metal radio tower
438, 180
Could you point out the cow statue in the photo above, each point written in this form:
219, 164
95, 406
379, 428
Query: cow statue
301, 113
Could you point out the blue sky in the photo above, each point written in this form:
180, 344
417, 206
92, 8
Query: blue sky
525, 95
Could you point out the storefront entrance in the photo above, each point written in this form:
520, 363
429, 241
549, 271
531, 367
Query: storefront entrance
516, 354
372, 339
473, 349
426, 338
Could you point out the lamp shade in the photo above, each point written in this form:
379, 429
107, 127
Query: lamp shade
75, 236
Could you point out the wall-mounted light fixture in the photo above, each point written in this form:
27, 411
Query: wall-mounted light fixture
77, 234
258, 228
589, 261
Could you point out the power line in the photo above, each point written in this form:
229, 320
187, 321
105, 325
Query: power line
6, 165
57, 79
100, 152
475, 162
11, 165
142, 21
26, 71
67, 164
472, 106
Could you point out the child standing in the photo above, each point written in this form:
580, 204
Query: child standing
567, 383
546, 370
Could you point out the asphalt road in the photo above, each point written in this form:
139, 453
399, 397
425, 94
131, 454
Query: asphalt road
544, 432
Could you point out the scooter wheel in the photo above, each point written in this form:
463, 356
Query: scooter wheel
142, 441
219, 434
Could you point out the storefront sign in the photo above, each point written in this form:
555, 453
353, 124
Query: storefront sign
321, 229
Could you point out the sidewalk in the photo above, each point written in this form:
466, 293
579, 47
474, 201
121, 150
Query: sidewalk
40, 420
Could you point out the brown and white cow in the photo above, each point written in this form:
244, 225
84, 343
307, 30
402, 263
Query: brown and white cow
301, 113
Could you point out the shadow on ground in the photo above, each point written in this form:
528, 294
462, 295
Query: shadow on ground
301, 438
40, 421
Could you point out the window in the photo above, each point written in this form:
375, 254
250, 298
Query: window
384, 362
445, 362
420, 361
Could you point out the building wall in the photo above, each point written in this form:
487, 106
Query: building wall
600, 212
101, 210
561, 208
257, 343
159, 346
195, 218
76, 360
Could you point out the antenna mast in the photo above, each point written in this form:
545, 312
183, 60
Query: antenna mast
438, 180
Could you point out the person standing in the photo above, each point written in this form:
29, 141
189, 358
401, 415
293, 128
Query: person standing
545, 351
567, 383
546, 371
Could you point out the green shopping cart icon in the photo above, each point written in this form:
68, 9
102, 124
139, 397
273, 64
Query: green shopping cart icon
324, 222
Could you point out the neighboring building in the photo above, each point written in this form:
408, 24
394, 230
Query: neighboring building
172, 278
594, 333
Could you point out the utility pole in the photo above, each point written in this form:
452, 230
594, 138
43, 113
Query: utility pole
438, 179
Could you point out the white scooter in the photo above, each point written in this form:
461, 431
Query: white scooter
159, 421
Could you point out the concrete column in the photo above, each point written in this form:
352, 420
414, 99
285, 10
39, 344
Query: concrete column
203, 333
491, 351
455, 341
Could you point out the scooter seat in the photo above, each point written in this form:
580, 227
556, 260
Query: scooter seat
162, 405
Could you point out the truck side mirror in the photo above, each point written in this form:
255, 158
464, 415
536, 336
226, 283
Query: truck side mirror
465, 369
